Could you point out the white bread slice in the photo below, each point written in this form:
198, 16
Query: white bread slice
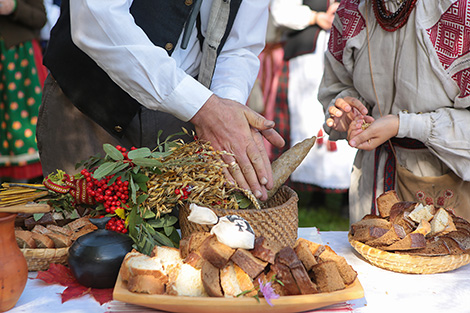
234, 281
124, 270
186, 280
421, 212
442, 223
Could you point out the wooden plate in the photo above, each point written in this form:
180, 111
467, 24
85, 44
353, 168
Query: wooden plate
286, 304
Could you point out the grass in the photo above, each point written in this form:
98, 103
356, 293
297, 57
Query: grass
329, 216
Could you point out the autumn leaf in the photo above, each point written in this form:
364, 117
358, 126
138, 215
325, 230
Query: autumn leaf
60, 274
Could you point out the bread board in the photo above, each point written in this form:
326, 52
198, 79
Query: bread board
410, 264
286, 304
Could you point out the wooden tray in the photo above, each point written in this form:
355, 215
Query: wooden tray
287, 304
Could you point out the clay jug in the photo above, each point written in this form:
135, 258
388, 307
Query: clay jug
13, 266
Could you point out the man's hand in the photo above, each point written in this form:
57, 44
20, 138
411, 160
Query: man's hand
235, 128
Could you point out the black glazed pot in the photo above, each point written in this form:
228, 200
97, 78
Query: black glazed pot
95, 258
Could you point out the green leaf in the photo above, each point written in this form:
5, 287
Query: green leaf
104, 170
140, 178
148, 214
168, 230
113, 153
141, 199
146, 162
163, 239
242, 200
139, 153
169, 220
156, 223
119, 168
133, 190
37, 216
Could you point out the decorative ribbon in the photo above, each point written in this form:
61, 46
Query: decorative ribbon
76, 187
390, 164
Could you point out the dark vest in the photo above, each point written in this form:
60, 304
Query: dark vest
87, 86
304, 41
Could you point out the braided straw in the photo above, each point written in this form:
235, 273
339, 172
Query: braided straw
278, 220
40, 259
411, 264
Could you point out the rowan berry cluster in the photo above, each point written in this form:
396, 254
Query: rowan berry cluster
116, 224
112, 196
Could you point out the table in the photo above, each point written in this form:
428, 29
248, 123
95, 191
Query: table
385, 291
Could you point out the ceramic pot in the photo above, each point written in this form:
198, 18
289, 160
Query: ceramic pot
95, 258
13, 266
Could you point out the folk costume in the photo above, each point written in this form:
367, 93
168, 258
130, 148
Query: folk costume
419, 59
121, 78
329, 164
21, 76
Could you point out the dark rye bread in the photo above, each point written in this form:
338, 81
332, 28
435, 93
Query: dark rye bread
347, 273
372, 221
42, 241
288, 257
24, 239
385, 202
302, 250
265, 249
410, 242
210, 276
248, 262
192, 242
461, 237
327, 277
284, 274
216, 252
394, 234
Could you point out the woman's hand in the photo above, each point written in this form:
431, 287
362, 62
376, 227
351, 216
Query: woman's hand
7, 7
344, 112
373, 136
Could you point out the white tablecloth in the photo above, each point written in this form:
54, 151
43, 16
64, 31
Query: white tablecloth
385, 291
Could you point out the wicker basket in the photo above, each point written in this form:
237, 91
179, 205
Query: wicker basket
411, 264
40, 259
278, 221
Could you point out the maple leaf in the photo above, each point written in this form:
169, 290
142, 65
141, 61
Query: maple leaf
60, 274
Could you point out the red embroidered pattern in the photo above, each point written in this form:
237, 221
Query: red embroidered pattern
352, 23
450, 37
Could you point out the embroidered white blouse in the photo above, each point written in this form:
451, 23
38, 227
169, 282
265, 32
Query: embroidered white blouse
421, 72
107, 33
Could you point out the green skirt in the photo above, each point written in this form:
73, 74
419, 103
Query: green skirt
20, 98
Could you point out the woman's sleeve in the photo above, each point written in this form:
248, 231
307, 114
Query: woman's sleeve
446, 134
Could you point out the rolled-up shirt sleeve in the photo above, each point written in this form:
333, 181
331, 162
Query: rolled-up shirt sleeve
107, 33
